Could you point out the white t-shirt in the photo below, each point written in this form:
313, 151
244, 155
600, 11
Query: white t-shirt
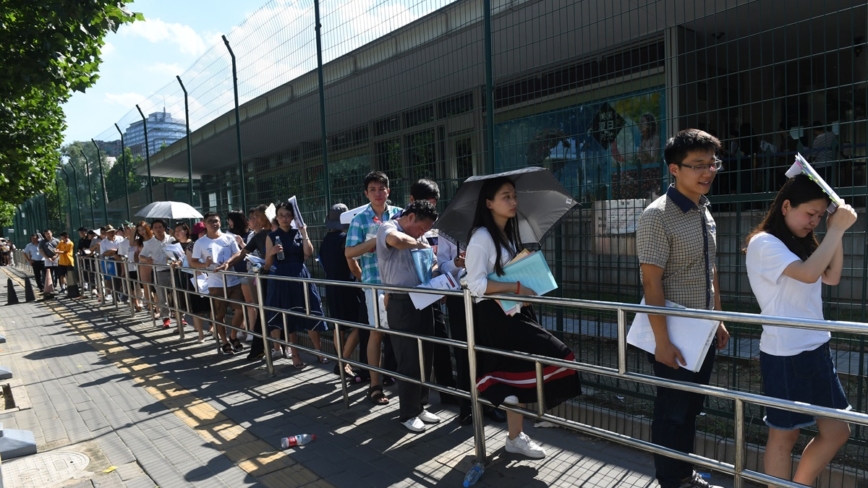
479, 260
125, 249
777, 294
154, 249
109, 244
220, 250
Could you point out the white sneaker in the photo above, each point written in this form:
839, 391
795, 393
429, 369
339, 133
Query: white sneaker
511, 400
276, 354
248, 338
428, 417
524, 446
414, 425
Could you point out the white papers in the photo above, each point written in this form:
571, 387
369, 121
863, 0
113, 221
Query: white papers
442, 282
299, 222
271, 213
347, 217
200, 283
802, 166
532, 270
691, 336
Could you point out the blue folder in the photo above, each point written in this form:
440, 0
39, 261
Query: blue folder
533, 272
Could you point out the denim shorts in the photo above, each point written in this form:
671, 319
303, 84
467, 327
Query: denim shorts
808, 377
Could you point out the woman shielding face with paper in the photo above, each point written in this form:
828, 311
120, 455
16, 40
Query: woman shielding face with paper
786, 266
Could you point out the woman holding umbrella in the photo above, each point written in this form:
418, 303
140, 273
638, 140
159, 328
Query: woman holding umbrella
493, 241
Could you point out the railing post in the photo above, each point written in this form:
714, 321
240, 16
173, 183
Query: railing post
475, 409
738, 481
263, 328
622, 341
178, 313
489, 88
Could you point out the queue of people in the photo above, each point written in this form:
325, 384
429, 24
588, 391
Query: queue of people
677, 247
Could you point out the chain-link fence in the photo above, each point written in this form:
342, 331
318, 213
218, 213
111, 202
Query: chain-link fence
330, 90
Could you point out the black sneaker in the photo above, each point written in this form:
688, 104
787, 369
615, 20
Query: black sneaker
237, 345
255, 356
696, 481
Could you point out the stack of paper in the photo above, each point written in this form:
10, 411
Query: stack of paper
691, 336
532, 270
442, 282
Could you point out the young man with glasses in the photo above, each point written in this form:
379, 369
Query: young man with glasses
677, 244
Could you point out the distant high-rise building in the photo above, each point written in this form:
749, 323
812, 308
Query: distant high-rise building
110, 148
163, 130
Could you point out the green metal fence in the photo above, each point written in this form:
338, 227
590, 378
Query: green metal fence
448, 89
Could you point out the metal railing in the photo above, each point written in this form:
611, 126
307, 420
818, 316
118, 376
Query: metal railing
737, 469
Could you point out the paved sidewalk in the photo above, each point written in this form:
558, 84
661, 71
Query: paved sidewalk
171, 413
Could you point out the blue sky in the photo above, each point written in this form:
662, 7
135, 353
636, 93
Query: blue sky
275, 45
145, 56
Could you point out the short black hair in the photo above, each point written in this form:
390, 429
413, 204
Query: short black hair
376, 177
425, 189
159, 221
209, 215
686, 141
64, 234
422, 209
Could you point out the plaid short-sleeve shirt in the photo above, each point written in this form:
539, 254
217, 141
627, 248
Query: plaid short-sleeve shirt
365, 224
680, 237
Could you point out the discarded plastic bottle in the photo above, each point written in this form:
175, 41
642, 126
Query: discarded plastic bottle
473, 475
280, 255
296, 440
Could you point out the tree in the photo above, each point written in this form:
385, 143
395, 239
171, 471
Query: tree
48, 50
114, 180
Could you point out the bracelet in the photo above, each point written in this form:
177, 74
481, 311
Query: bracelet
518, 287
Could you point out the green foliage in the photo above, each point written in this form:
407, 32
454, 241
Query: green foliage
48, 50
7, 212
114, 180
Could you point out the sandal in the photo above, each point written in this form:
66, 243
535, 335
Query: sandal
376, 396
323, 360
299, 365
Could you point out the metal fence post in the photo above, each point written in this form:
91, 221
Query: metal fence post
126, 175
102, 177
243, 192
322, 114
78, 198
269, 363
475, 408
489, 89
89, 188
189, 143
738, 481
147, 155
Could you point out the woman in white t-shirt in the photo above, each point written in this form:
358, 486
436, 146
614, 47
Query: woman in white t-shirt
786, 267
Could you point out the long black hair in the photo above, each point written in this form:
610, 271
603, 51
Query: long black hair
797, 190
483, 217
237, 223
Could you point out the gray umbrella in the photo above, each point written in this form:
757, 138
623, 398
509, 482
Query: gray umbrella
542, 202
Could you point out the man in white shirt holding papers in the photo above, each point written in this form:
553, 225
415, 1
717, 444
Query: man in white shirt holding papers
676, 244
154, 252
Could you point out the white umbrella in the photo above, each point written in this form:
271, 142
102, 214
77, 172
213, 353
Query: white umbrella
169, 210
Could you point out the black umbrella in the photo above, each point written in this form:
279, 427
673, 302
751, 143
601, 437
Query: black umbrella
542, 202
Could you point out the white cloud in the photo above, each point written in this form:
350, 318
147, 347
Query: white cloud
155, 30
107, 49
166, 69
126, 100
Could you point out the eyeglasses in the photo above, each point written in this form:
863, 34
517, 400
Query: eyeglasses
701, 168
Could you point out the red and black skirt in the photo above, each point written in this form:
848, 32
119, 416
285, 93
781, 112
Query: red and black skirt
498, 376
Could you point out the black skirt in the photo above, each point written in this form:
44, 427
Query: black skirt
498, 377
191, 301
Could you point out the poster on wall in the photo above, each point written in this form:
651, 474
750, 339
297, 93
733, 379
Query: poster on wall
601, 150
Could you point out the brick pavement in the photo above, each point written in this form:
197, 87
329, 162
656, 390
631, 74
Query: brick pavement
186, 416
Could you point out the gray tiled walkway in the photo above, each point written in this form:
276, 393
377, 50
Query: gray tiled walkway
80, 395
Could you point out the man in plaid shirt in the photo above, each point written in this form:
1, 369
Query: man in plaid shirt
676, 241
362, 246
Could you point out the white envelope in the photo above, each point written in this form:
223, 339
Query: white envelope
691, 336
